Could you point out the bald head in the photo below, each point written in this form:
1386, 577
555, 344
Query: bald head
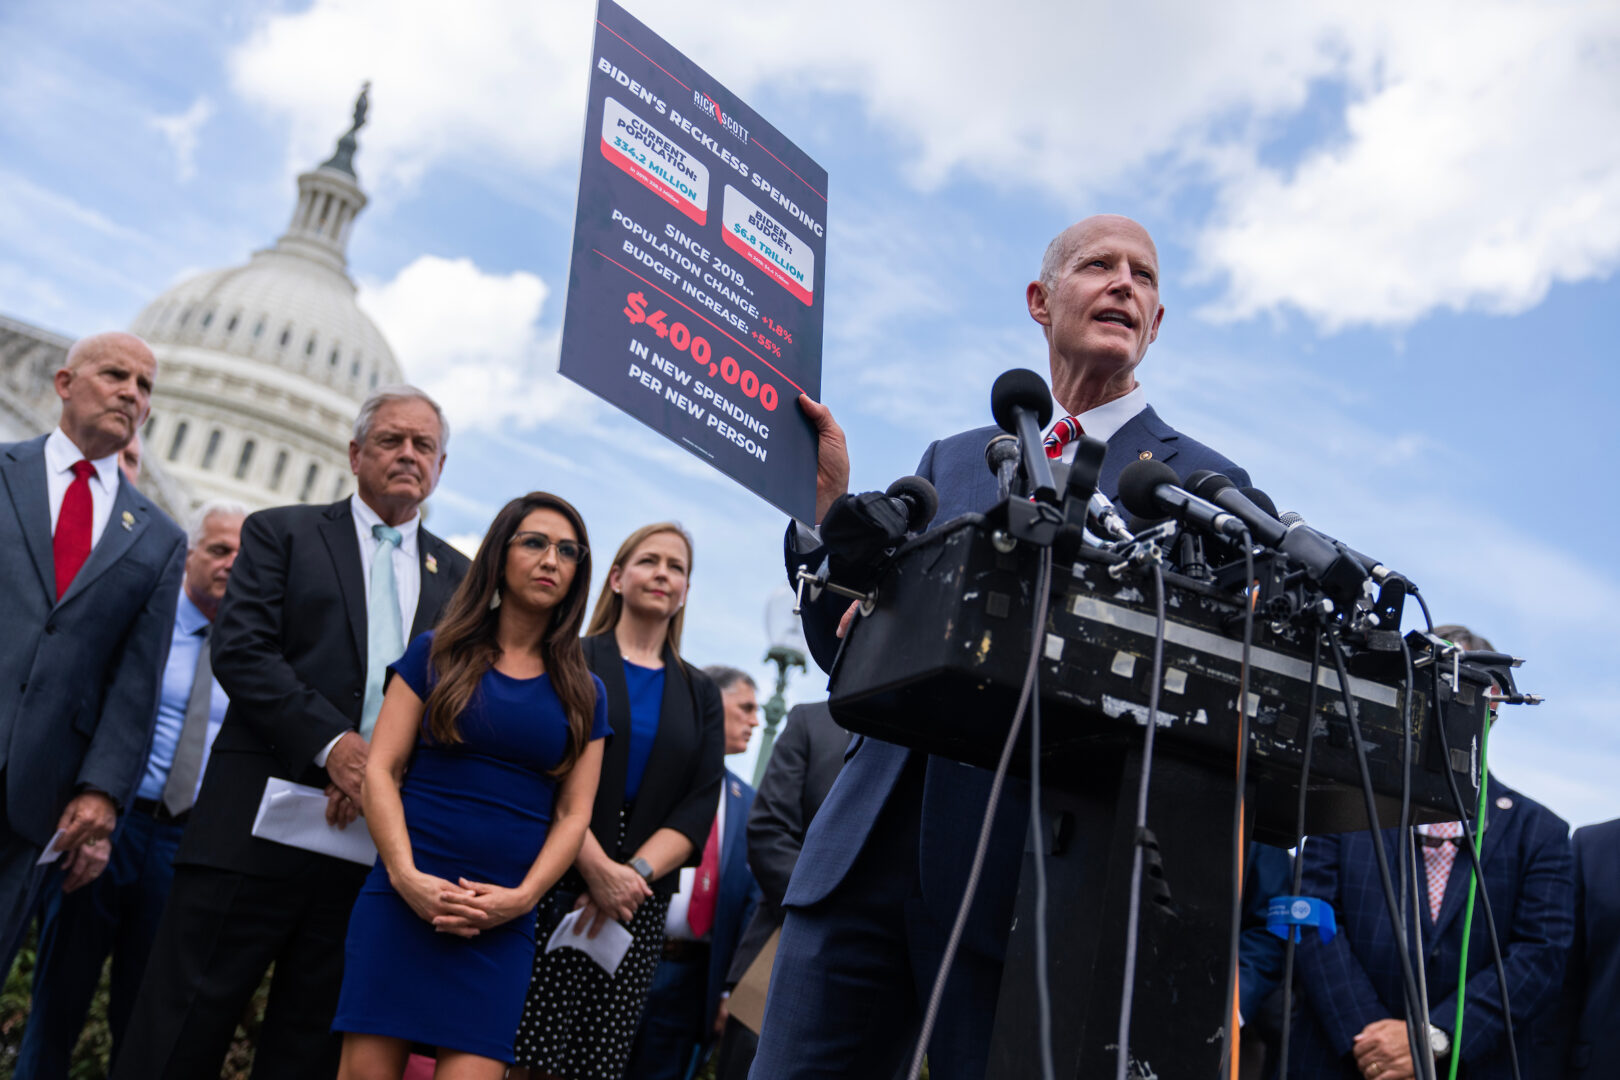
106, 389
1061, 250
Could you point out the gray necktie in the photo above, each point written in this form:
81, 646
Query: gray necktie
385, 640
180, 790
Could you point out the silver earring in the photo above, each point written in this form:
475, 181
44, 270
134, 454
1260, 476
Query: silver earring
494, 600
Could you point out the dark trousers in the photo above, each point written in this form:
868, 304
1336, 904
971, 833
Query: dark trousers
853, 972
219, 933
736, 1053
117, 913
672, 1021
21, 884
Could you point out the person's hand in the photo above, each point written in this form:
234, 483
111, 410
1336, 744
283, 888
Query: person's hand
346, 764
439, 902
84, 864
832, 455
498, 905
849, 617
340, 809
618, 891
592, 916
89, 817
1382, 1051
721, 1013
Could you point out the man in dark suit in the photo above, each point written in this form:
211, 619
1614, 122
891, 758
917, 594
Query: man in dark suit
686, 1003
1354, 1025
117, 911
321, 600
90, 570
801, 771
885, 863
1594, 965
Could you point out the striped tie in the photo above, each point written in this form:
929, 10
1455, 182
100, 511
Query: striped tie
1064, 432
1437, 860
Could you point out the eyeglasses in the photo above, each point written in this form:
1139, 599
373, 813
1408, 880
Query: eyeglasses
538, 544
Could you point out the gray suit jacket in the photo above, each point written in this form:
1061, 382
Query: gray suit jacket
79, 679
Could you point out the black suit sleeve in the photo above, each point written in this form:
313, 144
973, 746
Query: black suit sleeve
116, 757
776, 824
291, 718
693, 816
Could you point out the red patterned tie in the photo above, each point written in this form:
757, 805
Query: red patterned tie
1437, 862
71, 544
705, 887
1064, 432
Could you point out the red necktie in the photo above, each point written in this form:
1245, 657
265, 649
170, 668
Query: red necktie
71, 544
1437, 860
1064, 432
705, 894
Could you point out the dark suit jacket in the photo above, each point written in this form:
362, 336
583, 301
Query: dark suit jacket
1267, 872
681, 786
739, 895
1356, 978
81, 677
954, 796
1594, 968
289, 647
803, 765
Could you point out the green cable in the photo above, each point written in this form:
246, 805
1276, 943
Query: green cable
1468, 914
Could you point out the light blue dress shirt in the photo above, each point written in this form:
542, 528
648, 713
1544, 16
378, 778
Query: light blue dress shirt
171, 714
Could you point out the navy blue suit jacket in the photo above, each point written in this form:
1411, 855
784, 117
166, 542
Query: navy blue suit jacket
954, 795
1594, 966
82, 675
739, 893
1356, 978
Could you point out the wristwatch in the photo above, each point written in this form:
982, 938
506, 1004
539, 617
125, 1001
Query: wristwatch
644, 868
1439, 1041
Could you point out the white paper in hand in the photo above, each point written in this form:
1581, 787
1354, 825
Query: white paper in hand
295, 814
50, 854
607, 948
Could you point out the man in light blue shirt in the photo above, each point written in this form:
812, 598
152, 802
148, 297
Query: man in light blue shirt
116, 911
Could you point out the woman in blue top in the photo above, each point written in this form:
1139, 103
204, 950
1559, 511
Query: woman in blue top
479, 788
654, 808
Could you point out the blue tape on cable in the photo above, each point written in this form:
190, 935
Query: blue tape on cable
1288, 912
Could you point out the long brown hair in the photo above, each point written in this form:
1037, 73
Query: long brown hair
464, 643
610, 605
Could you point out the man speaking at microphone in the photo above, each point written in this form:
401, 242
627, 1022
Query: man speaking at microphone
886, 861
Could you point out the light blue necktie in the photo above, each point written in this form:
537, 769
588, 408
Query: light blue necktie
385, 641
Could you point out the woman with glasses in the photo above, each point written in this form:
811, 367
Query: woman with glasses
479, 786
654, 807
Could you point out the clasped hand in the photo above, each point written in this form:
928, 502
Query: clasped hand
463, 908
616, 892
1382, 1051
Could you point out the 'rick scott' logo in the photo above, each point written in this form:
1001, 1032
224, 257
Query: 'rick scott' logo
712, 107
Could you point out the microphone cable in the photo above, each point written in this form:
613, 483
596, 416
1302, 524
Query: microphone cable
1406, 848
1133, 913
1043, 580
1043, 983
1423, 1061
1473, 855
1251, 596
1299, 855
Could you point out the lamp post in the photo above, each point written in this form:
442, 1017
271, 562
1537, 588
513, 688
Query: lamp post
787, 651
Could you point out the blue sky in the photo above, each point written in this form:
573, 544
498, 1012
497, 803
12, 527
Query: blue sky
1388, 245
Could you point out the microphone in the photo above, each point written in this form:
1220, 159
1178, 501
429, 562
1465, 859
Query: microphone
1264, 528
1324, 560
1371, 566
918, 497
1262, 500
1022, 405
860, 529
1001, 454
1152, 489
1107, 518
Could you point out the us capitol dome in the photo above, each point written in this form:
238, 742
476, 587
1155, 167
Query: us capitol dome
262, 367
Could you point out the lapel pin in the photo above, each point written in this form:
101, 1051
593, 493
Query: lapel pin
129, 521
1504, 803
432, 564
1144, 455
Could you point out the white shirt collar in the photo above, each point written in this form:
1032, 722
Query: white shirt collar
1106, 419
366, 517
61, 454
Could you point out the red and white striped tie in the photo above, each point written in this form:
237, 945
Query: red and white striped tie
1064, 432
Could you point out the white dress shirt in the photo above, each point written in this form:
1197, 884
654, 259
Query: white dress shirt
675, 923
60, 456
1106, 419
407, 573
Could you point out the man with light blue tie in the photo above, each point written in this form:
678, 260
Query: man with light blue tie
110, 900
319, 603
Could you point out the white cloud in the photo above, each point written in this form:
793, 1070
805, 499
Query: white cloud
180, 131
1472, 172
472, 340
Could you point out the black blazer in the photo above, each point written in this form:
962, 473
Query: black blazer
681, 787
289, 648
